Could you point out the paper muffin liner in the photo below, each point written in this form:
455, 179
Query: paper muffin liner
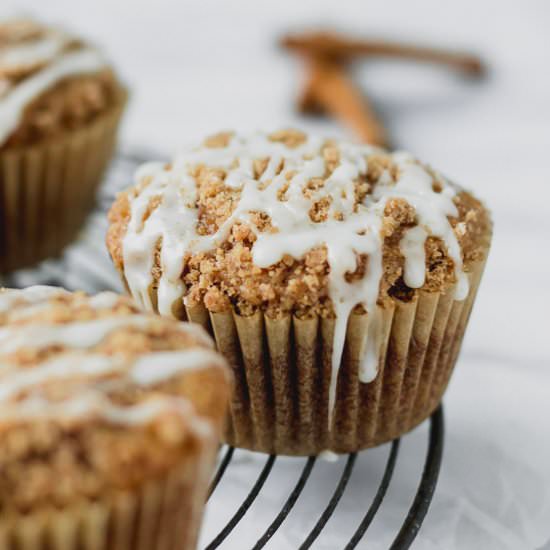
47, 190
163, 514
282, 369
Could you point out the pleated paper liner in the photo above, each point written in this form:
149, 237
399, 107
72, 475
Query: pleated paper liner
282, 371
47, 190
164, 514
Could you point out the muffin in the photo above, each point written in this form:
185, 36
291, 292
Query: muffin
336, 278
109, 423
60, 106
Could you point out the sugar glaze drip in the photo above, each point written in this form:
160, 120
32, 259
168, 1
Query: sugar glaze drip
35, 52
35, 295
357, 231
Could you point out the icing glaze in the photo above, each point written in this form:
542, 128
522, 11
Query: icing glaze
94, 404
328, 456
36, 52
34, 294
36, 301
83, 334
148, 370
350, 230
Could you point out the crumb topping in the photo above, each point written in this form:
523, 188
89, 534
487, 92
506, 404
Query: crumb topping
206, 203
95, 395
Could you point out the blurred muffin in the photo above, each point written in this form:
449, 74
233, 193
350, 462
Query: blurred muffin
60, 105
109, 423
336, 278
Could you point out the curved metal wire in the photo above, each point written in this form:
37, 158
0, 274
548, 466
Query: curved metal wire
289, 504
377, 501
426, 488
243, 508
333, 502
221, 470
408, 530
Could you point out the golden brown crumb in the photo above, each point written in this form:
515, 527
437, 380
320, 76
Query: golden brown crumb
378, 164
218, 140
400, 212
291, 138
259, 166
331, 154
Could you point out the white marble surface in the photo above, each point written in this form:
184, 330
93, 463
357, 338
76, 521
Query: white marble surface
195, 67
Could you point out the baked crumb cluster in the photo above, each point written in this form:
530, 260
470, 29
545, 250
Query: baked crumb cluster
226, 275
78, 416
30, 50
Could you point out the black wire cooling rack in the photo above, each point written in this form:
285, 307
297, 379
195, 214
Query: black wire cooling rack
409, 528
85, 266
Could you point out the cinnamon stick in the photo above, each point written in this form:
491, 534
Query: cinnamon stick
329, 89
335, 47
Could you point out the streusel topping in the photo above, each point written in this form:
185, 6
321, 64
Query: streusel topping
50, 81
290, 223
95, 394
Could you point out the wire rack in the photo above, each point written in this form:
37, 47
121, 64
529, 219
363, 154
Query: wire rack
409, 528
85, 266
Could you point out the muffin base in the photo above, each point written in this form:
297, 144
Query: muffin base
163, 514
47, 190
282, 371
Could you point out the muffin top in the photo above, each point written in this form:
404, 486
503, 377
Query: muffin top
96, 396
50, 82
290, 223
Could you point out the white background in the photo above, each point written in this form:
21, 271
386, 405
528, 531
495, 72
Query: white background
199, 66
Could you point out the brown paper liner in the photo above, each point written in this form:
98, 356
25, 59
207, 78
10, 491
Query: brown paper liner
163, 514
282, 371
47, 190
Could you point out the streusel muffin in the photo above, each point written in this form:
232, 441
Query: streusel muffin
336, 278
109, 423
60, 105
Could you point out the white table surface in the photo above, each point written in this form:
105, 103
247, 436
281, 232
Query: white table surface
198, 66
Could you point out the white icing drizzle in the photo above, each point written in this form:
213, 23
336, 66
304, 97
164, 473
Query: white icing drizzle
158, 367
83, 334
72, 63
34, 294
92, 375
358, 232
148, 370
328, 456
94, 404
412, 248
104, 300
137, 251
368, 369
67, 365
35, 300
35, 52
